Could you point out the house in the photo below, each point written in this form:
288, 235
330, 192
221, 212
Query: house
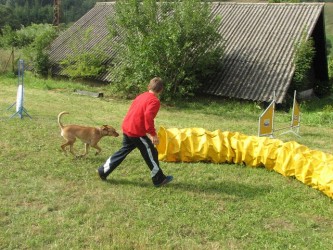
260, 41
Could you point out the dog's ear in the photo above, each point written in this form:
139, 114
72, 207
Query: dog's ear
104, 129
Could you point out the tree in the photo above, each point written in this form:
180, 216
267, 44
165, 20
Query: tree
33, 41
36, 50
27, 12
7, 18
72, 10
177, 41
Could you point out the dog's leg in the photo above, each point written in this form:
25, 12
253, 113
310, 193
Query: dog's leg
63, 146
86, 150
98, 149
71, 149
69, 142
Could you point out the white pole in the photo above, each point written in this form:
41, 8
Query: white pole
19, 98
20, 89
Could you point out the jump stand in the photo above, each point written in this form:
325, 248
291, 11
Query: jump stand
20, 110
266, 120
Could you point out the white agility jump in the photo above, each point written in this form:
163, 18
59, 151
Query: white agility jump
266, 120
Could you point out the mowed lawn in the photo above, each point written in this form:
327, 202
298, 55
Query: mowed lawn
52, 201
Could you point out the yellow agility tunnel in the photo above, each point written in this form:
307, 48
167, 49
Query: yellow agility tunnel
312, 167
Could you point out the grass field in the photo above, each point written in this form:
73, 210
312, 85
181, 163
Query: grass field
52, 201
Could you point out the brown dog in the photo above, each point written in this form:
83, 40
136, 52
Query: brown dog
90, 136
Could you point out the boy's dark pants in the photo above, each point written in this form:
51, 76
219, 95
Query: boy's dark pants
148, 152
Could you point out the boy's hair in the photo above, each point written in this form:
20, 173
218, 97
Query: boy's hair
156, 85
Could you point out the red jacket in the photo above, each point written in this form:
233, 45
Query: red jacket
139, 119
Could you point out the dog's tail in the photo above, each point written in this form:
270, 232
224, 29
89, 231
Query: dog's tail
59, 117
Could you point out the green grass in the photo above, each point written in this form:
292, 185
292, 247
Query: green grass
52, 201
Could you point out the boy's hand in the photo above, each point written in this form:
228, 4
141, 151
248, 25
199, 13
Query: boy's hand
155, 140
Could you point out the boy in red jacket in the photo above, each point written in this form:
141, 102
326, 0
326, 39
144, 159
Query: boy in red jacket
137, 125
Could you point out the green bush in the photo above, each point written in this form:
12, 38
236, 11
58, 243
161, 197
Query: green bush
304, 52
284, 1
36, 52
330, 68
177, 41
33, 41
83, 64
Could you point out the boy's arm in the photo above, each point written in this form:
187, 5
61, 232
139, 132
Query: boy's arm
150, 114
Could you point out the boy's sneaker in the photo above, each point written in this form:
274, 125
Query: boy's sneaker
168, 179
103, 177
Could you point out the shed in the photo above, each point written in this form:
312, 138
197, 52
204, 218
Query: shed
260, 41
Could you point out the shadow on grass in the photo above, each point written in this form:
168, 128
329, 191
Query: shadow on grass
213, 187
